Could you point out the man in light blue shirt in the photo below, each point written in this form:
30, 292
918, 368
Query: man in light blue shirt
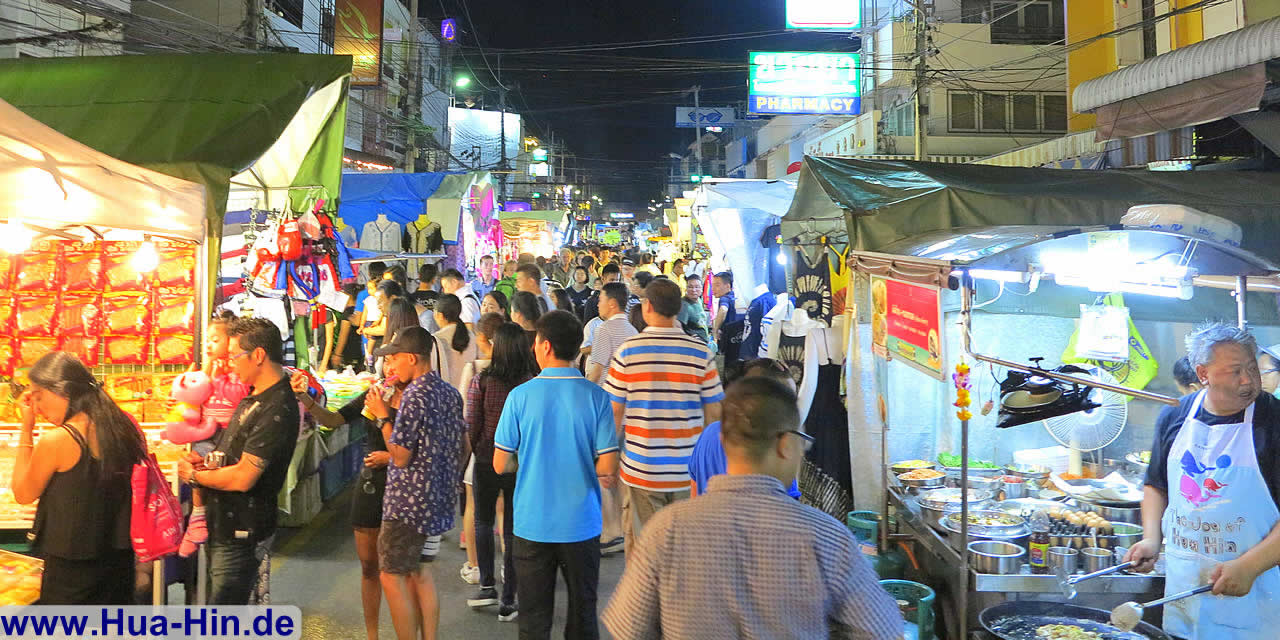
557, 434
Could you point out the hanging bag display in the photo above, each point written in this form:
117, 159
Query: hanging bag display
1136, 370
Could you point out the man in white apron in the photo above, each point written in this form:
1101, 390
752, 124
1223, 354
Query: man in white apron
1207, 500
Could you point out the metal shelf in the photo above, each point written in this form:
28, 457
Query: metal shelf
1033, 583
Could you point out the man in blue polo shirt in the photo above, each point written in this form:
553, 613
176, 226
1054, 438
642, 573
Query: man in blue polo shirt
708, 459
557, 434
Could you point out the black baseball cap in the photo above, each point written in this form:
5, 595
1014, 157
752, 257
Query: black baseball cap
415, 340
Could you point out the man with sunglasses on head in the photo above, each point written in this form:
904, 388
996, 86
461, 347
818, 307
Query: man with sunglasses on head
247, 468
681, 574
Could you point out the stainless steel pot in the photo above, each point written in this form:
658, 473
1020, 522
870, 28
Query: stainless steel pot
1126, 534
996, 556
1017, 532
936, 503
1114, 512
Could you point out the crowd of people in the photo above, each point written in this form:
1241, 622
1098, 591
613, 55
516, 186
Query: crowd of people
576, 402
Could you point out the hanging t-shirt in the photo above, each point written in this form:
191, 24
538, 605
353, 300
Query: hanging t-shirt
840, 279
753, 333
813, 285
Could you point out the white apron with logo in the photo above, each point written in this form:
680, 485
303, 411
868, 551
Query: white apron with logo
1219, 508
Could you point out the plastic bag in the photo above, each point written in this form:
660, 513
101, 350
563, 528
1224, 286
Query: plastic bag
1136, 371
1103, 333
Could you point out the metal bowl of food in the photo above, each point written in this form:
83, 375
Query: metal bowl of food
987, 525
992, 484
1130, 512
935, 503
1138, 461
996, 556
1035, 473
904, 466
922, 478
1126, 534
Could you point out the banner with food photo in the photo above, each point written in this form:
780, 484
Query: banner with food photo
906, 324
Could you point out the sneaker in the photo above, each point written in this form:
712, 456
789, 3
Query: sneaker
470, 573
613, 546
507, 612
485, 597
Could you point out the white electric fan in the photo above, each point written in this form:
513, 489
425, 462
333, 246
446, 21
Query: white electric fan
1093, 429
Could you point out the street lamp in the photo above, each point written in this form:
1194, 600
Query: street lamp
462, 82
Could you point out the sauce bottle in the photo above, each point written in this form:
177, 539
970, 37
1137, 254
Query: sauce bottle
1038, 547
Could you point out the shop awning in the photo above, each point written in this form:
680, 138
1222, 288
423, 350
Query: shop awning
1206, 81
515, 223
402, 197
51, 180
444, 207
879, 203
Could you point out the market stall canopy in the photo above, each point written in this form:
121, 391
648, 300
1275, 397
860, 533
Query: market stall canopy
444, 207
878, 202
54, 181
733, 215
515, 223
258, 119
402, 197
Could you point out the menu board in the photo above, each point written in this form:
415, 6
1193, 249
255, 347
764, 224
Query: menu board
906, 324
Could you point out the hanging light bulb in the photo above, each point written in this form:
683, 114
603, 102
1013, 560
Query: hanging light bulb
782, 258
15, 237
146, 259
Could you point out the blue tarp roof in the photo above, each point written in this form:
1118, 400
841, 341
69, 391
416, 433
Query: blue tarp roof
401, 196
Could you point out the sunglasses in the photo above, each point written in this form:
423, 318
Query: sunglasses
808, 439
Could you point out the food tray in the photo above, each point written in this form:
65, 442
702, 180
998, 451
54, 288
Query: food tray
19, 578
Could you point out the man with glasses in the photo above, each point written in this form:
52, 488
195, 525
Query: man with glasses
790, 571
246, 470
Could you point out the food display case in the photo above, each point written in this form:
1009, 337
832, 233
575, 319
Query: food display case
19, 578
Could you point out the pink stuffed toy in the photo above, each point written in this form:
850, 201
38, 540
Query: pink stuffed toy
185, 422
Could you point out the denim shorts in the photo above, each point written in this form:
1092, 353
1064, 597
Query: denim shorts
399, 547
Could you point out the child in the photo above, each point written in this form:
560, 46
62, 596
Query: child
227, 393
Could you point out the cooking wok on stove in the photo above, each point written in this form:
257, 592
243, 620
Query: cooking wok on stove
1018, 620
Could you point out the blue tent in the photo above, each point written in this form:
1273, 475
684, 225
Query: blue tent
401, 196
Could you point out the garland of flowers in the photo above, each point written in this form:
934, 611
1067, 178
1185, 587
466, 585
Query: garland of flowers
961, 379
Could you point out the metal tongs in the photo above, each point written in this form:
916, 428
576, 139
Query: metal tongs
1127, 616
1068, 584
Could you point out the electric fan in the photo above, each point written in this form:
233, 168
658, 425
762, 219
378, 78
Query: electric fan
1094, 428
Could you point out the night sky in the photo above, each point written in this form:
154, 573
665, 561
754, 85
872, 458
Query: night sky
623, 144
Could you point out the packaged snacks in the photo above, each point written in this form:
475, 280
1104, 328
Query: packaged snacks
127, 314
124, 387
117, 263
155, 410
177, 266
8, 355
39, 268
83, 347
175, 311
80, 314
127, 350
82, 266
6, 314
7, 264
32, 349
174, 349
35, 315
162, 385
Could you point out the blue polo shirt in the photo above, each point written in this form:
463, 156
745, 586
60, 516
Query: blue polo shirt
707, 461
557, 424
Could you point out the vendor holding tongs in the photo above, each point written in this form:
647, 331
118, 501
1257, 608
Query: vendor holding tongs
1210, 496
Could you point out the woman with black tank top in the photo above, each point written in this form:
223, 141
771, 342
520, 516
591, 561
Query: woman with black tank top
80, 472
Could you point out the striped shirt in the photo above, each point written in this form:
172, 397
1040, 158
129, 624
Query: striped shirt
748, 561
609, 336
664, 378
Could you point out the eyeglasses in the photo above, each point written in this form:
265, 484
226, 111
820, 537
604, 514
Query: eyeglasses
808, 439
238, 356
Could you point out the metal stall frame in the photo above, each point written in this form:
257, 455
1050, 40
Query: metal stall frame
948, 259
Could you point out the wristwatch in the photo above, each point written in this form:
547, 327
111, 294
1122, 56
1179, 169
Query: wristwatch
387, 420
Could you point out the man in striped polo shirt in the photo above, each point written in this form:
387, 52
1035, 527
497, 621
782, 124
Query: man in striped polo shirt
665, 389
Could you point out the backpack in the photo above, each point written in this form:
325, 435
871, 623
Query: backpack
155, 522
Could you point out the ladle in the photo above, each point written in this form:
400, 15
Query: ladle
1127, 616
1068, 584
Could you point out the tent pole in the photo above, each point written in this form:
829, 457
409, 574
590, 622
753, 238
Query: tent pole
1242, 286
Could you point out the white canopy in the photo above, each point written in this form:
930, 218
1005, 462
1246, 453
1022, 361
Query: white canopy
733, 214
50, 180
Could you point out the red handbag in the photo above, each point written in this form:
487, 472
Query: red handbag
155, 523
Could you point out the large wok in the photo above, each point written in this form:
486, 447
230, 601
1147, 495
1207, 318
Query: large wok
1019, 621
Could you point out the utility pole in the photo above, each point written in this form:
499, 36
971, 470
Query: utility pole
502, 128
415, 90
253, 20
697, 128
922, 106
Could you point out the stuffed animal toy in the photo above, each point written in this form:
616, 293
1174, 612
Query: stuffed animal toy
186, 422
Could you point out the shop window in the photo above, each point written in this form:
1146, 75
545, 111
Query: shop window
1026, 112
964, 111
994, 106
1031, 22
1055, 112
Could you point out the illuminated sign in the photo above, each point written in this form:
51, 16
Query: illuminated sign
804, 82
539, 154
358, 33
540, 170
618, 215
512, 205
449, 30
691, 117
823, 15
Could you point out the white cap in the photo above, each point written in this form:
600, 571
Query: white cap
1273, 351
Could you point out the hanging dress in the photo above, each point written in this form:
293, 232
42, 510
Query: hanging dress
840, 273
813, 285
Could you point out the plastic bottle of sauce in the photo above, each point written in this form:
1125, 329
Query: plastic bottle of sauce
1038, 547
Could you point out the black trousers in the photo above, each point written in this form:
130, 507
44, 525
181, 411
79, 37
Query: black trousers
537, 563
486, 485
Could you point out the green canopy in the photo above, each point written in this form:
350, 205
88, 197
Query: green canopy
205, 118
872, 204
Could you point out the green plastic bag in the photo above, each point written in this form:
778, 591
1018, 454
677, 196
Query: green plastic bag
1136, 372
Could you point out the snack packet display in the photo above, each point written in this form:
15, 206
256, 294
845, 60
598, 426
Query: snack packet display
162, 385
175, 311
174, 349
177, 266
82, 266
83, 347
32, 349
80, 314
127, 314
7, 267
8, 355
39, 268
123, 387
117, 263
6, 314
127, 349
35, 315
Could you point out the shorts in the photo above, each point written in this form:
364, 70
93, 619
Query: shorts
399, 548
468, 477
